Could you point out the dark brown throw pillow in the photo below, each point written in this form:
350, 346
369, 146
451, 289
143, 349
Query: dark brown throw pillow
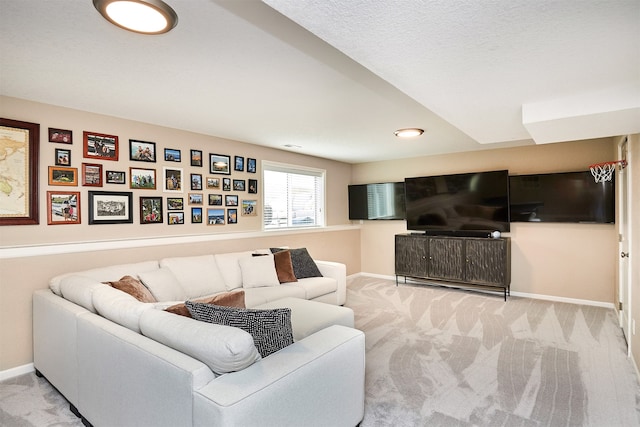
133, 287
303, 265
284, 267
227, 299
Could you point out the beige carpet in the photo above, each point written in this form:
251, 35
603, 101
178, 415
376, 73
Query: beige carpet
445, 357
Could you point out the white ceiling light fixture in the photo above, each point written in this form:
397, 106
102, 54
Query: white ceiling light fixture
139, 16
408, 132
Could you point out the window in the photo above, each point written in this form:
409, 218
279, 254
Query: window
293, 196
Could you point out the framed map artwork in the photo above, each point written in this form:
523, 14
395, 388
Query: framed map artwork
19, 148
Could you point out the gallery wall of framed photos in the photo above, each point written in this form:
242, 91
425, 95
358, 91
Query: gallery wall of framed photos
101, 157
171, 184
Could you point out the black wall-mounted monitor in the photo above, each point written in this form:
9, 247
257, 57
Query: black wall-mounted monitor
377, 201
562, 197
460, 204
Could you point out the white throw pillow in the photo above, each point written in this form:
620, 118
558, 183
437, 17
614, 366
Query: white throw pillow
163, 284
258, 271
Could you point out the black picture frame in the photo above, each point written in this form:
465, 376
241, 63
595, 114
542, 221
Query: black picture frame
115, 177
196, 181
251, 165
238, 163
239, 185
253, 186
231, 200
63, 157
175, 203
232, 216
110, 207
142, 151
172, 155
151, 210
196, 215
175, 218
196, 159
219, 164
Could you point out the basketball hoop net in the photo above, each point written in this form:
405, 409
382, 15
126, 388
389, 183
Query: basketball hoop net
604, 171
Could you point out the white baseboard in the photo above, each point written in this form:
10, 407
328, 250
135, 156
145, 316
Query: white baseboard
513, 293
17, 371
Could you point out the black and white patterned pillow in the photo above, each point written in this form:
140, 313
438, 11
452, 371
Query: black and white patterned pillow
303, 265
271, 329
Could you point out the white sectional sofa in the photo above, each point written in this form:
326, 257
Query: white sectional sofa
122, 362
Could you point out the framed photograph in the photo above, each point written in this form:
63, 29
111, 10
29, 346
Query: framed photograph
251, 165
59, 175
215, 199
238, 184
195, 199
110, 207
115, 177
213, 183
172, 180
238, 163
253, 186
232, 216
19, 165
196, 215
142, 151
196, 159
100, 146
175, 218
142, 179
230, 200
92, 175
220, 164
226, 184
172, 155
63, 207
151, 210
196, 181
63, 157
215, 216
249, 208
61, 136
175, 203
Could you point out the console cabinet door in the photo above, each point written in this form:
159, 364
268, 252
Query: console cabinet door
446, 260
486, 262
411, 256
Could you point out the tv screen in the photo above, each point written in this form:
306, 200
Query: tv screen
459, 203
377, 201
562, 197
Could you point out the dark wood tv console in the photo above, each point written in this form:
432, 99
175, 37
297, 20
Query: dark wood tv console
455, 261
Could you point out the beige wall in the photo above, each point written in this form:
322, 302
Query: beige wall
44, 251
564, 260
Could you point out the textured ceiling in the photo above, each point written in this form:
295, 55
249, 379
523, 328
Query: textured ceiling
337, 78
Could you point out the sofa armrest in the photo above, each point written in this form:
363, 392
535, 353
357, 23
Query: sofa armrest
317, 381
337, 271
127, 379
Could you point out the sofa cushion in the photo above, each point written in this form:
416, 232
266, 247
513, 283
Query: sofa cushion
163, 284
119, 307
315, 286
223, 349
79, 290
133, 287
258, 271
303, 264
271, 329
229, 267
284, 266
198, 275
103, 274
227, 299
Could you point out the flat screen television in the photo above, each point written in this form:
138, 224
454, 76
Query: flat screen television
377, 201
562, 197
459, 204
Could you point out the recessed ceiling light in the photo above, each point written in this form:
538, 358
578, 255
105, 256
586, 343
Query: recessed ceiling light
140, 16
408, 132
